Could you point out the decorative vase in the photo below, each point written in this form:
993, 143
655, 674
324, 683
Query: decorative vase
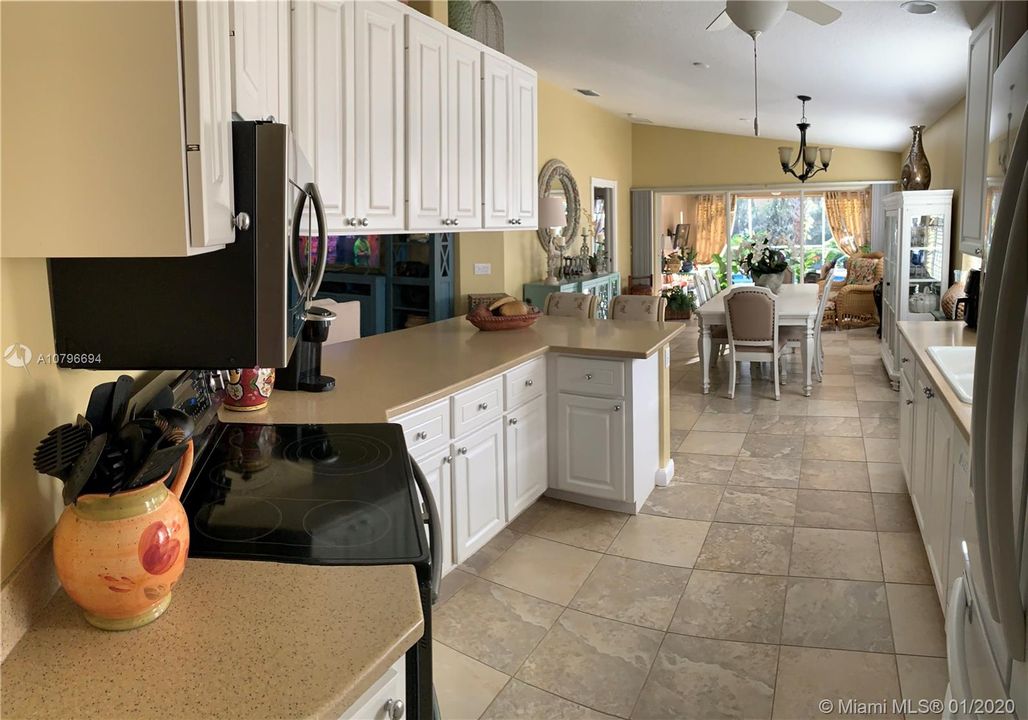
917, 173
772, 281
459, 15
119, 556
249, 389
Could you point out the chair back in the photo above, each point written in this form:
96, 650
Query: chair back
476, 299
787, 276
821, 303
711, 281
751, 315
577, 305
638, 307
701, 292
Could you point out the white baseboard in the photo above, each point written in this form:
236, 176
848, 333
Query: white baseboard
665, 474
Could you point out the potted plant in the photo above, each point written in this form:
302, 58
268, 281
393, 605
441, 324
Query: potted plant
765, 264
680, 303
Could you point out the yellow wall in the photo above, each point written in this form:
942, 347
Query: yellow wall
672, 157
32, 402
944, 147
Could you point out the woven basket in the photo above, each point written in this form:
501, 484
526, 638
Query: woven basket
499, 322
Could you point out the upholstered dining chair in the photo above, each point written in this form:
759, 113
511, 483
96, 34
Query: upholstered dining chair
751, 314
638, 307
576, 305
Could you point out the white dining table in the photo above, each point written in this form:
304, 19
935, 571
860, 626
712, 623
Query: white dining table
796, 306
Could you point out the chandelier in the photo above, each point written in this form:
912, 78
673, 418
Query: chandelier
807, 155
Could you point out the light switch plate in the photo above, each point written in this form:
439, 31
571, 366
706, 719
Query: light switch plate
483, 269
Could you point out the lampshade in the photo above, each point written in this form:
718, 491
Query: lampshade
809, 155
785, 155
826, 156
551, 212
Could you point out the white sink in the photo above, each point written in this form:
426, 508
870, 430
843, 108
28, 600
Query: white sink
957, 364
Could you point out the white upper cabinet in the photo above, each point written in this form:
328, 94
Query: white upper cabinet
379, 120
260, 59
981, 61
524, 153
497, 142
151, 92
464, 129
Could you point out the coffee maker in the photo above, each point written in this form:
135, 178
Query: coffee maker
972, 291
304, 369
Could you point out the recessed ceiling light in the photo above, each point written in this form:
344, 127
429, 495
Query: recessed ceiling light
700, 65
587, 92
919, 7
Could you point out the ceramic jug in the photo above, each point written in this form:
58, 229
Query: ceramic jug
119, 556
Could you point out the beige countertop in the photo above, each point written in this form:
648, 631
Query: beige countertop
382, 376
923, 335
239, 640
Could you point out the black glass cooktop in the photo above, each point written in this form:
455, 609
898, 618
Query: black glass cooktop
316, 494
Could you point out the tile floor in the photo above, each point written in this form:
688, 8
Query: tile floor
781, 567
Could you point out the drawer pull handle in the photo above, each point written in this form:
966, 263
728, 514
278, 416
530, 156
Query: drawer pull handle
394, 709
462, 451
513, 421
483, 406
909, 402
588, 376
904, 360
617, 408
421, 435
529, 383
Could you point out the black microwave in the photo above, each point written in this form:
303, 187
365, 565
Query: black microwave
241, 306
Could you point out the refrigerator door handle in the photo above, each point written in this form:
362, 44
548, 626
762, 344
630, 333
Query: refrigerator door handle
956, 650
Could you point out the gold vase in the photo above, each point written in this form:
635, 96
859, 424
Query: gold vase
917, 173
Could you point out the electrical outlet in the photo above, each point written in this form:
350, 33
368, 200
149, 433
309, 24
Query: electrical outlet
483, 269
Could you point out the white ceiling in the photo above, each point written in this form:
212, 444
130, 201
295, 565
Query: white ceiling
872, 73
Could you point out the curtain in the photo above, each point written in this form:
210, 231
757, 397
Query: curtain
849, 216
710, 227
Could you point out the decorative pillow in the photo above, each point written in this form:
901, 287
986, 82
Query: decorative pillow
861, 271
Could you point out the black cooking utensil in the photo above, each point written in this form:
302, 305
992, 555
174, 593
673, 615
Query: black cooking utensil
156, 465
175, 425
119, 401
164, 398
99, 407
82, 470
60, 448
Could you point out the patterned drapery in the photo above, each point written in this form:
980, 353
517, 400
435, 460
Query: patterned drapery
710, 227
849, 216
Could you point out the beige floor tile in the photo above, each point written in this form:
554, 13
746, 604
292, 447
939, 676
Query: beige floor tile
489, 552
886, 477
831, 379
543, 568
451, 583
531, 515
822, 392
876, 392
840, 554
712, 443
700, 468
761, 549
766, 472
757, 506
691, 501
493, 624
917, 622
632, 591
922, 679
767, 405
880, 427
833, 426
832, 408
778, 424
873, 408
731, 606
684, 419
881, 450
669, 541
840, 614
696, 403
834, 509
834, 475
579, 525
894, 513
677, 436
702, 679
521, 700
772, 446
724, 422
464, 686
739, 404
834, 448
904, 559
593, 661
807, 676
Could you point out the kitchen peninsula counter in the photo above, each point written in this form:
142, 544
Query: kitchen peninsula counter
239, 640
383, 376
922, 335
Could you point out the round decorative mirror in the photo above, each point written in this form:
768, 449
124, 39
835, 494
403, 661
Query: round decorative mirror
556, 180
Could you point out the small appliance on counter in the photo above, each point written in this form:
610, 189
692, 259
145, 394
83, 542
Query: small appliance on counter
304, 369
972, 290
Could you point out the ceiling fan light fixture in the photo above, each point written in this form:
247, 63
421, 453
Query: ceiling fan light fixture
919, 7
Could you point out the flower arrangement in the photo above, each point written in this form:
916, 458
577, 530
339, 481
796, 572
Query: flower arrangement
763, 259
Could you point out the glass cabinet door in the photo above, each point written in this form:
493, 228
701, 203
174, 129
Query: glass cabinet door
925, 265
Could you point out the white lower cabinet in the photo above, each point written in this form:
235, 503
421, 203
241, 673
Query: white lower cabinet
437, 465
478, 488
385, 699
591, 446
906, 424
525, 447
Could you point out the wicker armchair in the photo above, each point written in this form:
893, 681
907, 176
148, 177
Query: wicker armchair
853, 298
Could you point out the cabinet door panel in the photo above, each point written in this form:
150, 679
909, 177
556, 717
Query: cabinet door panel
464, 124
906, 428
524, 188
980, 66
251, 58
427, 136
436, 467
478, 495
591, 446
497, 142
379, 126
938, 487
526, 456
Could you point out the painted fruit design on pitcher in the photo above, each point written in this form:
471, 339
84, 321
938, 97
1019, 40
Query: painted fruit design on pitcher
249, 388
158, 550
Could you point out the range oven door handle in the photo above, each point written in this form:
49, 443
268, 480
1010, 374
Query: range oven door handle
434, 527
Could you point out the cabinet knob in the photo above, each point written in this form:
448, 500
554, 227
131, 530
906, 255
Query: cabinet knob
421, 435
909, 402
462, 451
454, 221
978, 251
518, 221
529, 383
904, 360
395, 709
447, 221
510, 221
929, 393
513, 421
617, 408
364, 222
448, 459
588, 376
349, 222
483, 406
241, 221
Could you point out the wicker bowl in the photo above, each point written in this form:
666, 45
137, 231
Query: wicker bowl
499, 322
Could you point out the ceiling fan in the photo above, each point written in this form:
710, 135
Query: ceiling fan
755, 17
